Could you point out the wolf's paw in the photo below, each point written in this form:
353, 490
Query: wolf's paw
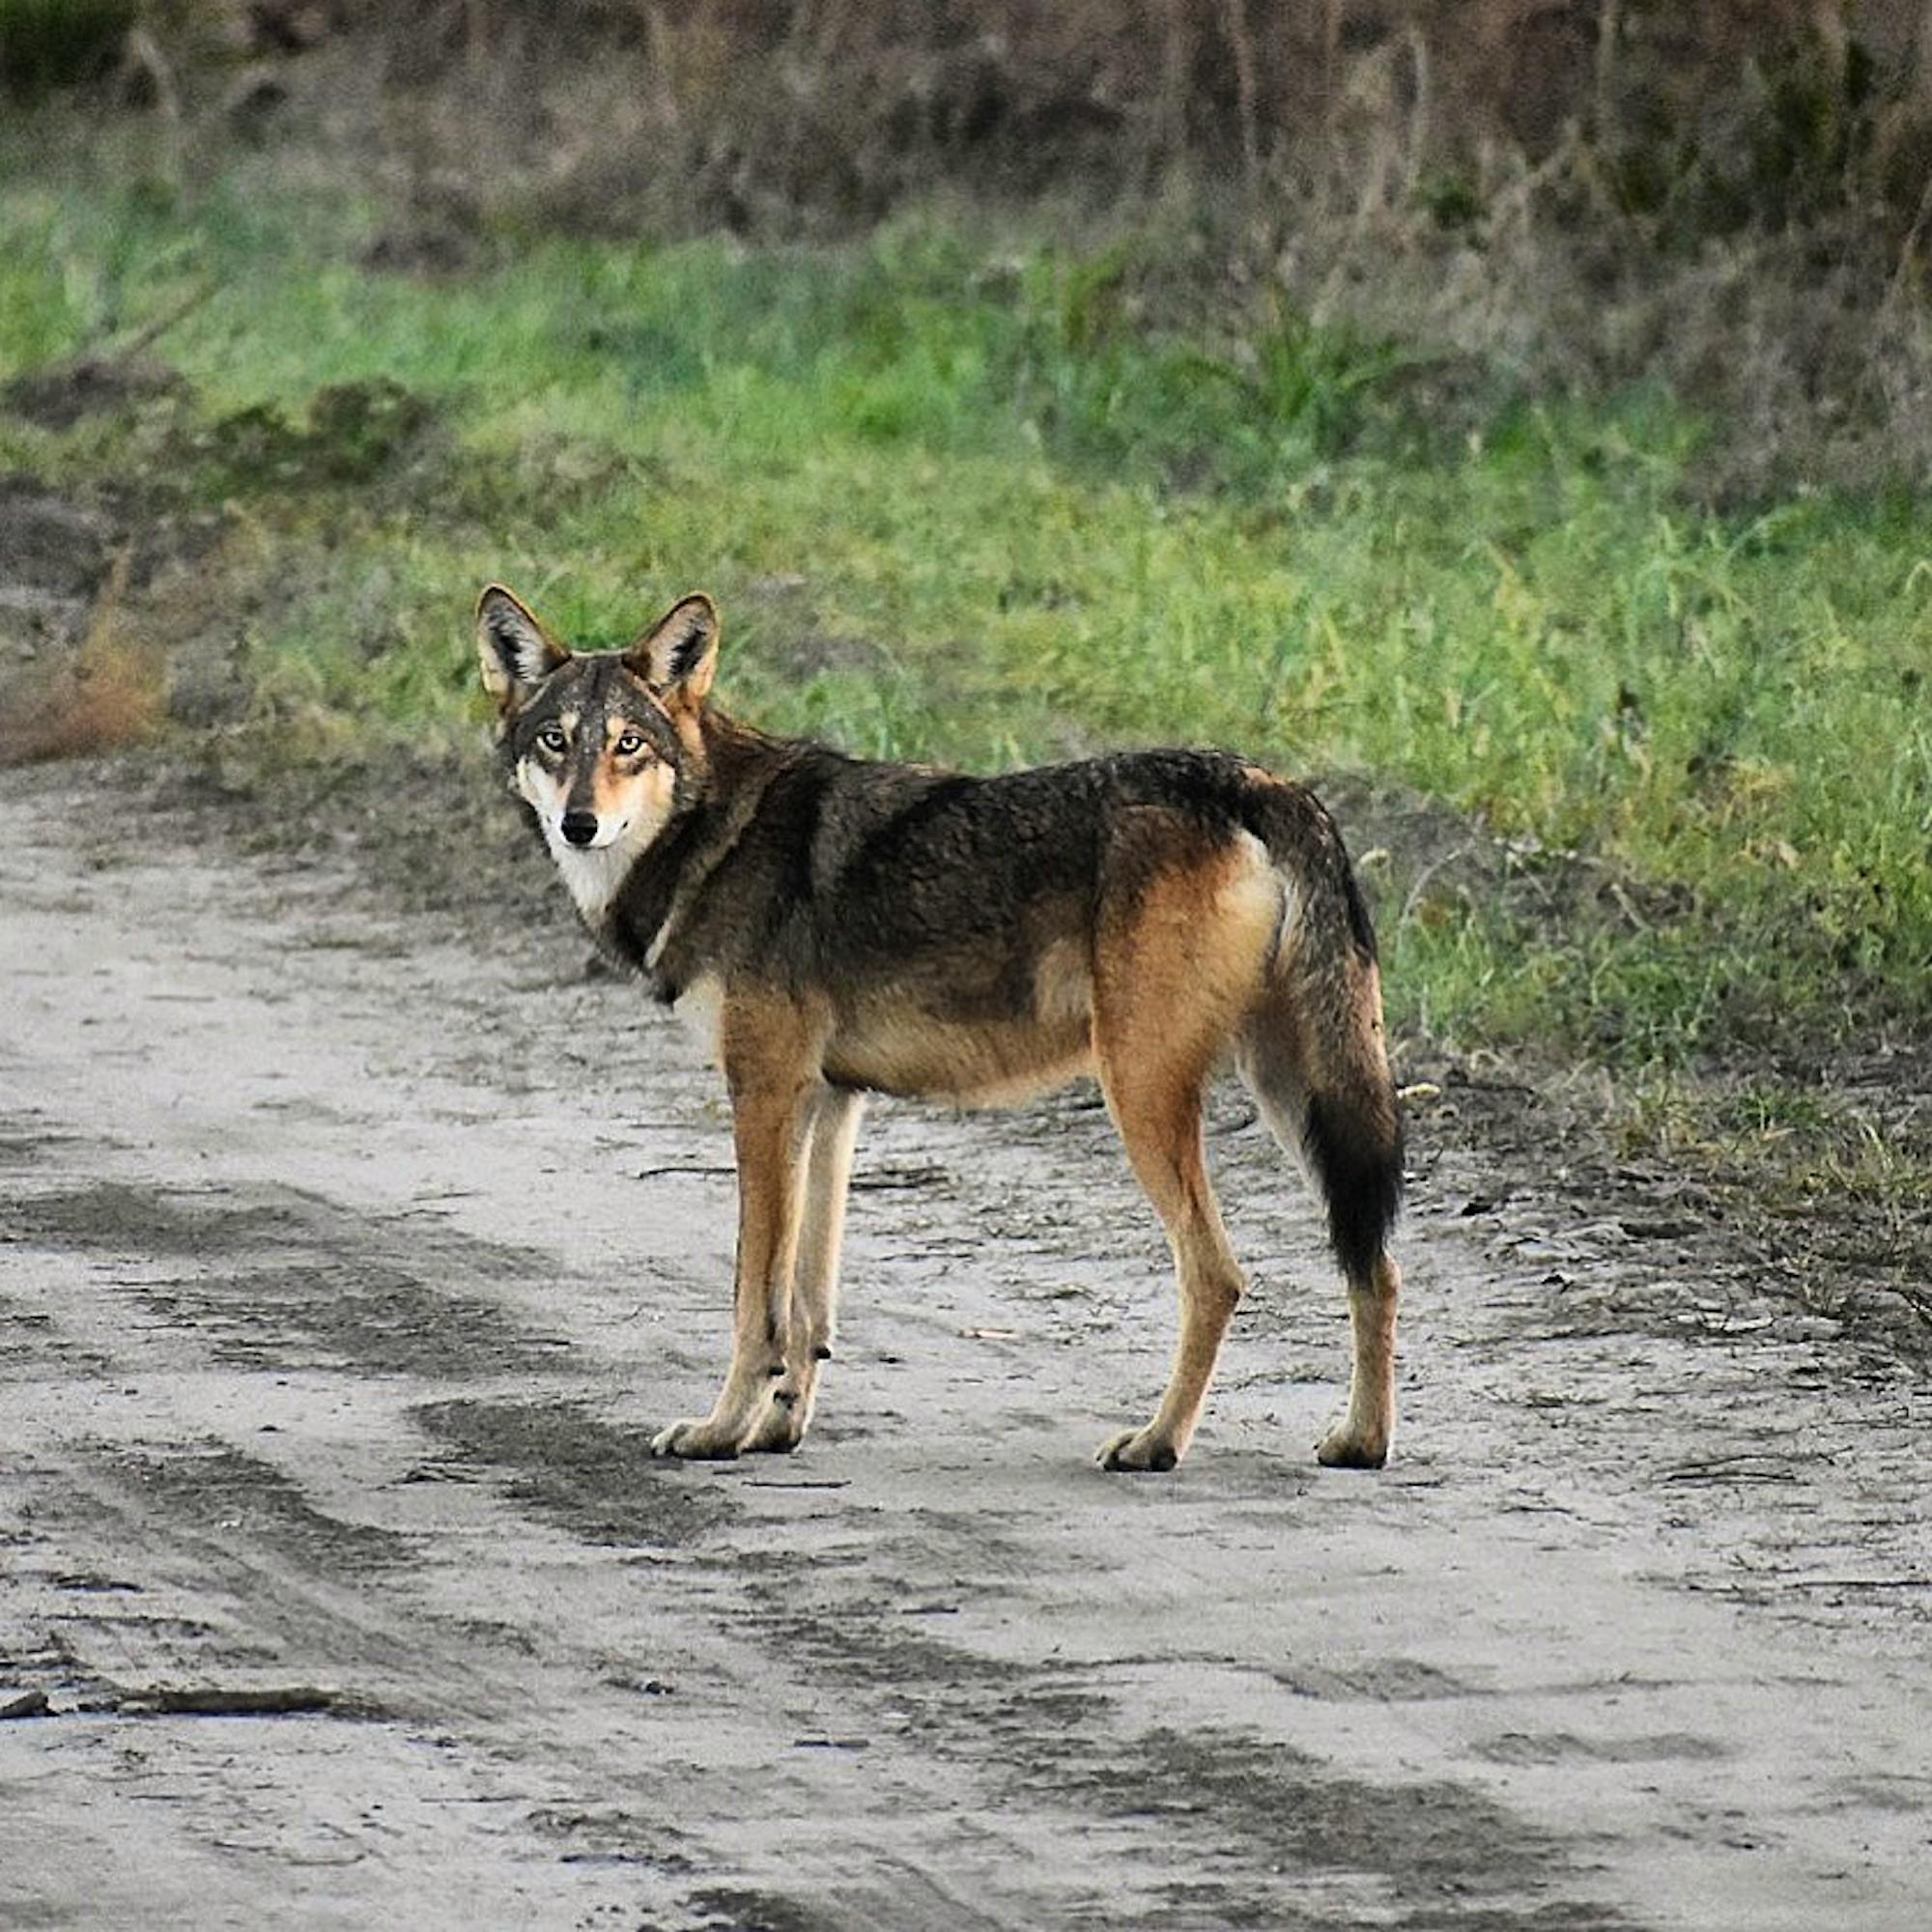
778, 1431
1343, 1448
1139, 1450
695, 1441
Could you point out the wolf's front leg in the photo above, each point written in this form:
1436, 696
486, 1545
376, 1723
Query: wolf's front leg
815, 1297
772, 1091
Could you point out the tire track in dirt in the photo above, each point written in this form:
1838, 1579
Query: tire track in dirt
331, 1330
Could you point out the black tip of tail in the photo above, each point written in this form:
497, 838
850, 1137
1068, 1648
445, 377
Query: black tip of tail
1355, 1150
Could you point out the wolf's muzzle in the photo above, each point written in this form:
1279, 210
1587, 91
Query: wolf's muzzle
578, 828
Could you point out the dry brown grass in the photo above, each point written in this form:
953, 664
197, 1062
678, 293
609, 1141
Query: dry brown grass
852, 100
107, 692
106, 697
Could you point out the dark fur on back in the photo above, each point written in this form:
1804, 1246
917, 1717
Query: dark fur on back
857, 867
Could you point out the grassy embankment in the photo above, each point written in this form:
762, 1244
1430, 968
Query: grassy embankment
960, 500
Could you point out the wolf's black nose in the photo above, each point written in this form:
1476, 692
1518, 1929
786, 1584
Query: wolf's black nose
579, 827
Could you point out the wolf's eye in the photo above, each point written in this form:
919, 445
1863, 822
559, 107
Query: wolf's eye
630, 744
553, 740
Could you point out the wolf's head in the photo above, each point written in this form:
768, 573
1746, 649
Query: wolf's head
603, 746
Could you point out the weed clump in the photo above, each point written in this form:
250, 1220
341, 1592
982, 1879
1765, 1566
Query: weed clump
352, 432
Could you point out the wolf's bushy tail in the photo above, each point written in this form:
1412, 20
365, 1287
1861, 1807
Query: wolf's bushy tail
1314, 1052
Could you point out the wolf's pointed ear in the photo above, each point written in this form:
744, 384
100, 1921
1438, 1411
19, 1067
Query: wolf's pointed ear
516, 652
678, 655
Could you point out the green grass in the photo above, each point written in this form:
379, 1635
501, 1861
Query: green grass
959, 501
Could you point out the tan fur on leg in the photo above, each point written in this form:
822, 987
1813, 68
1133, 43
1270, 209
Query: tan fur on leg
770, 1054
1177, 965
1361, 1439
815, 1297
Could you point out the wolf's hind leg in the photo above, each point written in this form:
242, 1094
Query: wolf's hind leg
1183, 940
815, 1295
1161, 1124
1360, 1440
1170, 980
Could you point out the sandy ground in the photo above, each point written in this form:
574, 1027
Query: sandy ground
347, 1259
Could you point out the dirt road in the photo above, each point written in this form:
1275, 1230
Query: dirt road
345, 1264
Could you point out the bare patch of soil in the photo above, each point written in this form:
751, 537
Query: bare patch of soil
61, 396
